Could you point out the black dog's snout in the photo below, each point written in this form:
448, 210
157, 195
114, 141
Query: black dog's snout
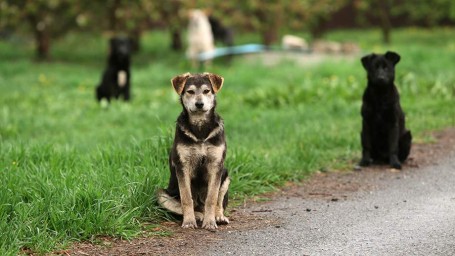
199, 105
382, 76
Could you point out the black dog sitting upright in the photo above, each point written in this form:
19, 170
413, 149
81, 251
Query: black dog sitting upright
115, 81
198, 185
384, 136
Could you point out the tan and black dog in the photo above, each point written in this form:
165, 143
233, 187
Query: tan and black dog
198, 185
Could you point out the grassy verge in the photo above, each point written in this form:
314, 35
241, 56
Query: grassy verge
72, 170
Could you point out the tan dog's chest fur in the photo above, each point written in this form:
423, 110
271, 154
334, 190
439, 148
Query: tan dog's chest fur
198, 186
193, 155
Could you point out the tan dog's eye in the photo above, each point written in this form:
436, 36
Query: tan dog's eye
190, 91
206, 91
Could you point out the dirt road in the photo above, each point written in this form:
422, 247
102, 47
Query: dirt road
406, 213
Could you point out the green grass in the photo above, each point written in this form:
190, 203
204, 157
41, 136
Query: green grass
72, 170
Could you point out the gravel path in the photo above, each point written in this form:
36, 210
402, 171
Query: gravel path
403, 213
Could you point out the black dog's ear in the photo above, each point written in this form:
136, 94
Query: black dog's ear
179, 81
366, 60
393, 57
216, 80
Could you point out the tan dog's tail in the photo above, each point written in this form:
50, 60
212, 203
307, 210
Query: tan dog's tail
169, 203
173, 205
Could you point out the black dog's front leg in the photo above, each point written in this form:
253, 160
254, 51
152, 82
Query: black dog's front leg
393, 146
126, 93
365, 137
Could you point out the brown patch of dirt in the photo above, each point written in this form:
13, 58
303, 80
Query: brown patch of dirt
180, 242
332, 186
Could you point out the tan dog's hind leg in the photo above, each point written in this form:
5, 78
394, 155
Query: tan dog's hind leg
189, 220
219, 212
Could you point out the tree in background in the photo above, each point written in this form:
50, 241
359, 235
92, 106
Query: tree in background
428, 13
46, 19
381, 10
267, 18
50, 19
120, 17
172, 12
310, 15
133, 17
271, 18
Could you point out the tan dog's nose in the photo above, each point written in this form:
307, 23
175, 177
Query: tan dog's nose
199, 104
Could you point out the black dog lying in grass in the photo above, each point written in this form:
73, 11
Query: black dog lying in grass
384, 136
116, 77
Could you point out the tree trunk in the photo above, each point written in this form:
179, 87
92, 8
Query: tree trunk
42, 41
42, 36
269, 36
316, 32
135, 36
386, 34
176, 40
112, 15
386, 24
270, 27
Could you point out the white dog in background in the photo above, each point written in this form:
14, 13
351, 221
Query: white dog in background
200, 37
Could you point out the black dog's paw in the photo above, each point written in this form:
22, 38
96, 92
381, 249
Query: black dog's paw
365, 162
395, 163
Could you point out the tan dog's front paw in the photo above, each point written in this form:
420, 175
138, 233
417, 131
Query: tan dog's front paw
221, 219
189, 223
209, 224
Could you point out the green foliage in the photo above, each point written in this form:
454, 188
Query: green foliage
270, 18
428, 12
72, 170
49, 20
57, 15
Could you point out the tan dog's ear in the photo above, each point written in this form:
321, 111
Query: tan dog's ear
216, 80
178, 82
